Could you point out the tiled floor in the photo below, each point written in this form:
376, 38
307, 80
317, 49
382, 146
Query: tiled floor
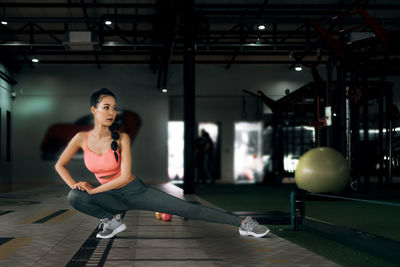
39, 228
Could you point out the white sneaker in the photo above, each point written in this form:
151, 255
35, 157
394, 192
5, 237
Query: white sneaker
251, 227
110, 227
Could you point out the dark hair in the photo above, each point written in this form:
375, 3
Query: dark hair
97, 96
94, 100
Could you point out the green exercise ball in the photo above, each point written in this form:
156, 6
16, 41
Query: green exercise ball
322, 170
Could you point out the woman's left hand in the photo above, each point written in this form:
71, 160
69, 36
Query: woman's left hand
88, 187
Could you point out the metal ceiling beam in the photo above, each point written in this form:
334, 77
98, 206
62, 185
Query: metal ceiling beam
135, 28
223, 62
118, 33
223, 34
222, 19
51, 35
296, 31
62, 19
76, 5
84, 12
291, 6
11, 34
146, 52
272, 12
301, 45
249, 7
245, 34
240, 20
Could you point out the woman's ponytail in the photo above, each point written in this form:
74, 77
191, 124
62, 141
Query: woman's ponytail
115, 136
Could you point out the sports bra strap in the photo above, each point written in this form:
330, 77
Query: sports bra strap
87, 134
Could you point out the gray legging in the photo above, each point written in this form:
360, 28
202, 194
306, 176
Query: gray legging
138, 196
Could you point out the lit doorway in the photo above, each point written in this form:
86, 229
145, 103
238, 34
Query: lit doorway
176, 148
248, 163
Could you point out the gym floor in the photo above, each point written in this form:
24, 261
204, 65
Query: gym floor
39, 228
372, 223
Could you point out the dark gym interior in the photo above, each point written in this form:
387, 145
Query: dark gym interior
300, 101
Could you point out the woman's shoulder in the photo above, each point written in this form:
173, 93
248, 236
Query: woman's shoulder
124, 136
124, 139
81, 135
79, 138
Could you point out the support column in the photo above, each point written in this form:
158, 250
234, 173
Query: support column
340, 120
189, 97
366, 141
355, 145
329, 102
389, 128
380, 139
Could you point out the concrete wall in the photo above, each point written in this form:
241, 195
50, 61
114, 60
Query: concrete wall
5, 105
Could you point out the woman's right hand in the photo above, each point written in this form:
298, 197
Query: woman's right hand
79, 186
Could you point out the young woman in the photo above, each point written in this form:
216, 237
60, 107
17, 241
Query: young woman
107, 153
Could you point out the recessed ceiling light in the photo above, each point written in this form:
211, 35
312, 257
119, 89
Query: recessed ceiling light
262, 27
108, 22
35, 60
164, 90
298, 68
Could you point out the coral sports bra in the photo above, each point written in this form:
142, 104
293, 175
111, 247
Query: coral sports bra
104, 165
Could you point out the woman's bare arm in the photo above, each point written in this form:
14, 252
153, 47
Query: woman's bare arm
73, 146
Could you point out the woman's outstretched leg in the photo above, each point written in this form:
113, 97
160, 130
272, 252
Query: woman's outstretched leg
139, 196
155, 200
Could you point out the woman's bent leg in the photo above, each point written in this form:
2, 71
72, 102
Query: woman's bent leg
103, 205
155, 200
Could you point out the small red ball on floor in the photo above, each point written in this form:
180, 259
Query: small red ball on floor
166, 217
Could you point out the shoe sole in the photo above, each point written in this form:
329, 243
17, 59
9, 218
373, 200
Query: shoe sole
245, 233
121, 228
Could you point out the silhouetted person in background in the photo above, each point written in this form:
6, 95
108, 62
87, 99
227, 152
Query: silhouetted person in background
199, 158
205, 152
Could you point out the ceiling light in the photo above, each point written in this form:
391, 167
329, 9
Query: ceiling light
164, 90
35, 60
262, 27
4, 22
108, 22
298, 68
